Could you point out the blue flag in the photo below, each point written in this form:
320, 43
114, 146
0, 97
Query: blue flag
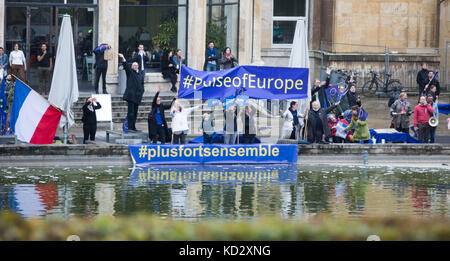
242, 100
213, 102
362, 114
444, 109
333, 94
3, 109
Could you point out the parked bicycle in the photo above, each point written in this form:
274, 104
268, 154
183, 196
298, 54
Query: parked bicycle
376, 86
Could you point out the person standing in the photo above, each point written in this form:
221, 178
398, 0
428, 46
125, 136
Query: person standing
3, 63
79, 51
101, 66
422, 113
317, 123
432, 81
433, 104
352, 97
141, 57
421, 78
401, 111
318, 90
249, 125
343, 102
90, 119
292, 122
157, 124
133, 92
9, 90
18, 63
208, 127
211, 57
45, 65
228, 60
230, 128
180, 126
168, 69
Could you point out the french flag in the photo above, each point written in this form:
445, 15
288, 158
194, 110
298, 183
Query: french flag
33, 118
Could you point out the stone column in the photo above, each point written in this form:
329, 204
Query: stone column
196, 34
257, 34
108, 32
245, 32
2, 23
182, 12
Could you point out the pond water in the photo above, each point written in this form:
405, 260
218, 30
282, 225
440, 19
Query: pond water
242, 192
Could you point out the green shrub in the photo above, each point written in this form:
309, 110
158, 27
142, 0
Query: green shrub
147, 227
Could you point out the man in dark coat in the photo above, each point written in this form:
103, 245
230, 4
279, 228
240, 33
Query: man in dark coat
90, 119
101, 66
320, 88
422, 78
141, 57
431, 80
157, 124
317, 123
352, 97
133, 92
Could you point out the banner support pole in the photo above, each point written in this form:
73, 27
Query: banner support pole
66, 126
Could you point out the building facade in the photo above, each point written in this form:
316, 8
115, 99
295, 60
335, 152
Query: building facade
342, 33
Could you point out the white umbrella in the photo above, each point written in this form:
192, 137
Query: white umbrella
300, 57
64, 88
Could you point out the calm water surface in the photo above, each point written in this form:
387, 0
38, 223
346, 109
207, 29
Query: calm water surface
243, 192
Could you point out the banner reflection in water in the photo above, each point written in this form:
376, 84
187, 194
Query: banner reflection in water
214, 174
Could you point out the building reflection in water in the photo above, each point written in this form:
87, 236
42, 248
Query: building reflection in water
105, 195
242, 192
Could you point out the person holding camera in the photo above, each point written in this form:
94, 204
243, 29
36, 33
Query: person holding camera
90, 119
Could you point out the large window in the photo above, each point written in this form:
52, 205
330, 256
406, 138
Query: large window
157, 24
285, 16
223, 24
31, 23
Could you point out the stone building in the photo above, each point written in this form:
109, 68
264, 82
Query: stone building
352, 34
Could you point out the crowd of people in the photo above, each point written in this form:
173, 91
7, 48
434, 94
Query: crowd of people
337, 120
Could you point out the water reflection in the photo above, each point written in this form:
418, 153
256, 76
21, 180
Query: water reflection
248, 191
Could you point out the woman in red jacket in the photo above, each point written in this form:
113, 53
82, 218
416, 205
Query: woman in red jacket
422, 113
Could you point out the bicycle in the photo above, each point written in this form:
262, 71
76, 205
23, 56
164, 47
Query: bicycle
377, 86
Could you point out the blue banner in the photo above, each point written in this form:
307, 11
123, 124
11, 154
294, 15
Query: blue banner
280, 83
213, 154
159, 174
